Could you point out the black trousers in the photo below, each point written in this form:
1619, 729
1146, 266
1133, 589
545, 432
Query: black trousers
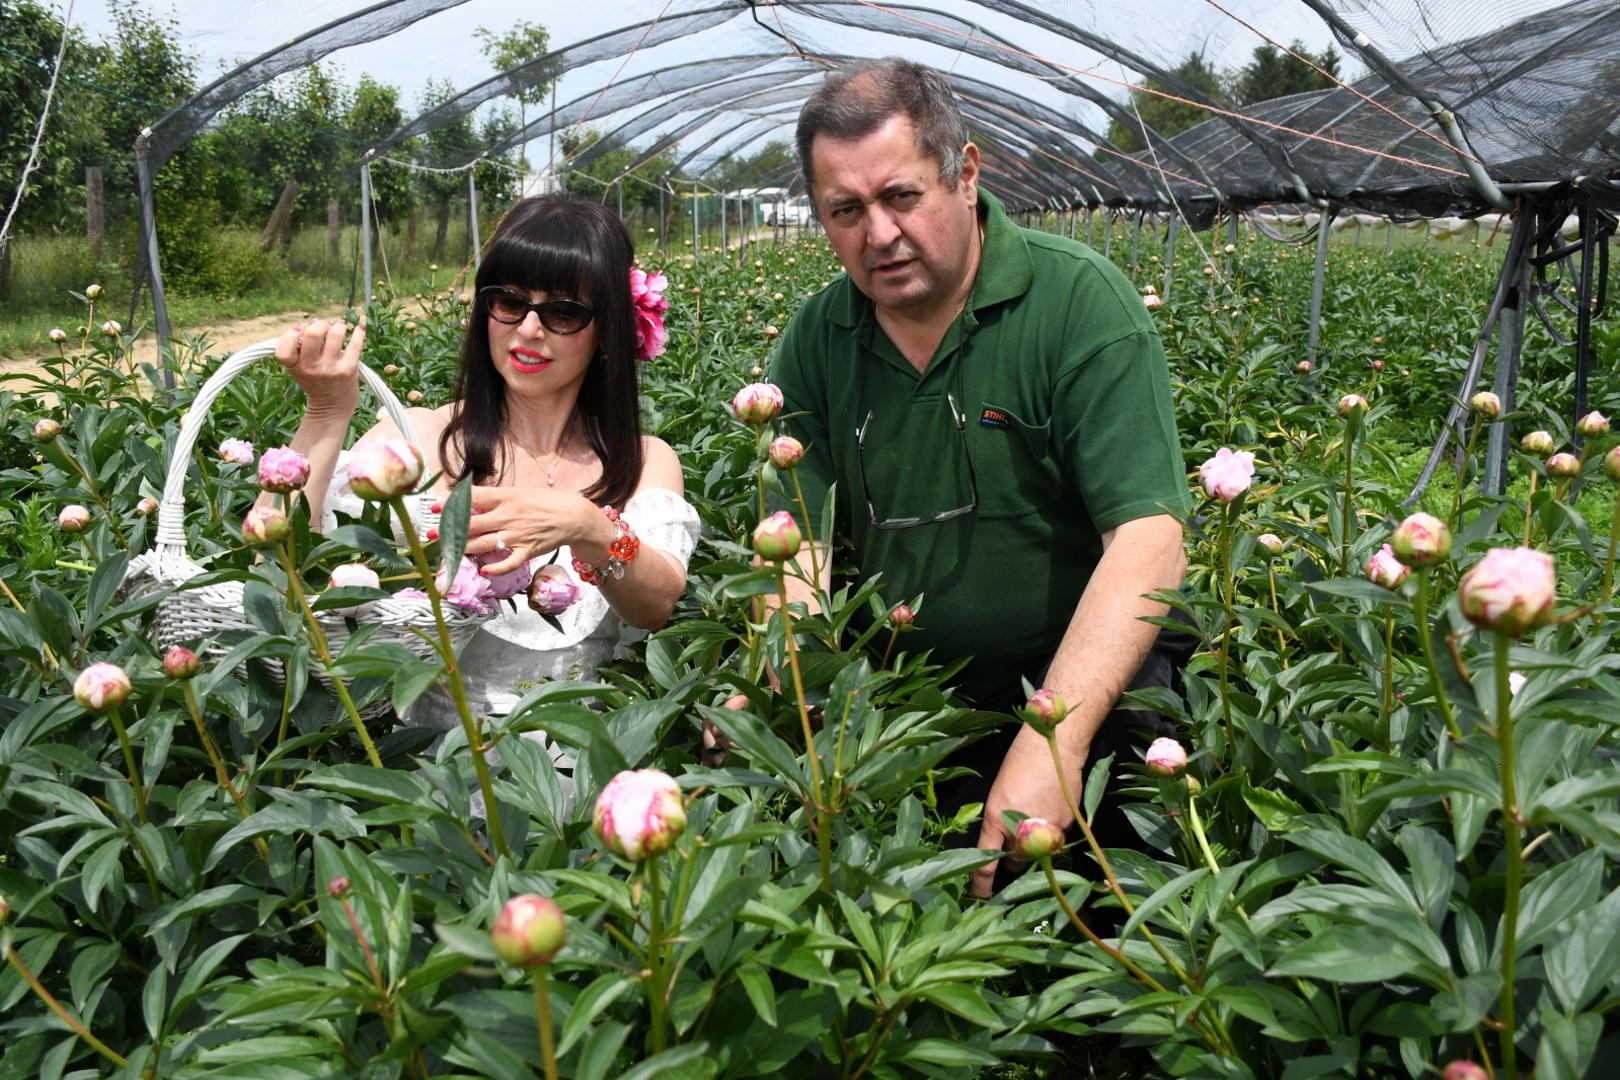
1123, 730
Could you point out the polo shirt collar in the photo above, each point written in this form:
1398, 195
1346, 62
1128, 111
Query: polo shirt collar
1005, 268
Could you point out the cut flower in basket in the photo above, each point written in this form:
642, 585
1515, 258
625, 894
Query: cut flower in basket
471, 590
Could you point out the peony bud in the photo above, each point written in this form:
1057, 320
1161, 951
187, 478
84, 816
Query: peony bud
1378, 365
1563, 465
1611, 463
901, 617
757, 403
390, 370
771, 331
146, 506
283, 469
777, 537
1270, 542
639, 813
786, 452
552, 591
46, 430
338, 887
1510, 590
265, 525
1385, 569
73, 518
1165, 757
111, 328
180, 662
414, 397
1421, 540
92, 291
1037, 839
1352, 405
58, 334
1463, 1070
1228, 474
528, 931
1304, 367
100, 687
1044, 710
1152, 301
1538, 443
1486, 404
5, 911
383, 468
354, 576
236, 451
1592, 424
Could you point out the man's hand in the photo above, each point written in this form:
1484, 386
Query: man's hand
1027, 783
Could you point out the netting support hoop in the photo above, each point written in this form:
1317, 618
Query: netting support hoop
472, 212
1324, 225
154, 269
365, 226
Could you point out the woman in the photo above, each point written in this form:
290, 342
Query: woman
546, 420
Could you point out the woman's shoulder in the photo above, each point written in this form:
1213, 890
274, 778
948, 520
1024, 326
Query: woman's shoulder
660, 468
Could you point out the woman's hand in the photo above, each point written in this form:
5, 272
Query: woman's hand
526, 523
327, 372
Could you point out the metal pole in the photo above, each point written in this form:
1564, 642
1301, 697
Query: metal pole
365, 229
742, 233
725, 241
1091, 228
619, 188
160, 309
1108, 240
1324, 226
1389, 236
1136, 243
662, 221
1170, 254
472, 210
1509, 345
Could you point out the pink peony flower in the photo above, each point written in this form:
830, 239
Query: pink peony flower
1165, 757
146, 506
1228, 474
58, 334
1463, 1070
1486, 404
647, 297
1304, 367
265, 525
639, 813
1352, 404
73, 518
901, 616
507, 585
46, 430
283, 469
100, 687
1510, 590
1271, 542
777, 537
383, 468
528, 931
355, 576
552, 591
1037, 839
1421, 540
786, 452
470, 589
757, 403
1539, 443
1563, 465
1385, 569
236, 451
1592, 424
1044, 710
180, 662
1152, 300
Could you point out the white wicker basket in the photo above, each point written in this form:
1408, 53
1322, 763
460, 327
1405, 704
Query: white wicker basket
195, 617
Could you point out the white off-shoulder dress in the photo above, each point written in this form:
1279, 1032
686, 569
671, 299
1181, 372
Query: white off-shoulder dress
517, 649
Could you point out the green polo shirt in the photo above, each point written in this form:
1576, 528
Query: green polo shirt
1070, 432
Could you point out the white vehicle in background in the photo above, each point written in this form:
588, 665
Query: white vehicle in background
779, 207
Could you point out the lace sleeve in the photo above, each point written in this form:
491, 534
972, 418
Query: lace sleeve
664, 520
340, 496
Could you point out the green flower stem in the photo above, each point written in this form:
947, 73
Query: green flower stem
684, 893
1608, 564
1349, 493
1282, 639
1421, 611
365, 947
1091, 935
117, 722
458, 689
809, 533
1203, 841
1529, 511
759, 487
95, 493
63, 564
66, 1017
323, 653
888, 650
1512, 830
1227, 619
1455, 520
214, 756
1386, 704
657, 990
820, 800
542, 1017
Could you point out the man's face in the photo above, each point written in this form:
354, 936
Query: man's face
903, 236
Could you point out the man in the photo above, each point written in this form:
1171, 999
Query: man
994, 407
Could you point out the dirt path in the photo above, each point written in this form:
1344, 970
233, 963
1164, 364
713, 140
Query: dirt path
222, 338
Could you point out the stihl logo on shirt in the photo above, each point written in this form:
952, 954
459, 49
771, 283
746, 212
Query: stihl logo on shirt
994, 417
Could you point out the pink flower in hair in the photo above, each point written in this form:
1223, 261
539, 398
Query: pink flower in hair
647, 297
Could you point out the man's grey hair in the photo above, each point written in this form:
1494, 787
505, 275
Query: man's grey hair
857, 99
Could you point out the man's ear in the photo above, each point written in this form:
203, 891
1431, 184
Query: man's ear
970, 170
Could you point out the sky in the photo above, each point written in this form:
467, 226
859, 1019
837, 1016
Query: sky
222, 34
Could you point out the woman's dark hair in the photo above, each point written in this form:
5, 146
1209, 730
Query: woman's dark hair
563, 246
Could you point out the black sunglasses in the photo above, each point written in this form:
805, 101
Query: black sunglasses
960, 421
557, 316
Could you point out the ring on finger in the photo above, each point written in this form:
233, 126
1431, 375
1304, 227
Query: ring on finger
500, 542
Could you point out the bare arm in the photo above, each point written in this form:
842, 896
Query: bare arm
1101, 651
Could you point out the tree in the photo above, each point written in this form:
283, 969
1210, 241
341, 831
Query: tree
374, 114
1272, 73
447, 146
1165, 116
594, 179
524, 43
770, 165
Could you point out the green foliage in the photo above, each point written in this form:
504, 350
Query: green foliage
1272, 73
1153, 103
772, 165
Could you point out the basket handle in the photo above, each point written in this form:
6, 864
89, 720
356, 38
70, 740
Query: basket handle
171, 530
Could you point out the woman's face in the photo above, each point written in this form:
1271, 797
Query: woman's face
531, 358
